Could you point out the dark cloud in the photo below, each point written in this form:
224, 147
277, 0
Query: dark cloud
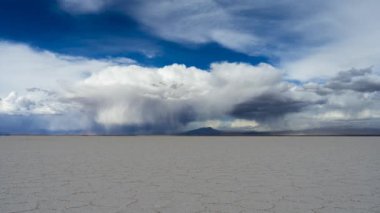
270, 106
360, 80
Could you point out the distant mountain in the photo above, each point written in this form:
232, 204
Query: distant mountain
340, 131
203, 131
209, 131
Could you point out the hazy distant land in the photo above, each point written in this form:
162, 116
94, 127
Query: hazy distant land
331, 131
209, 131
189, 174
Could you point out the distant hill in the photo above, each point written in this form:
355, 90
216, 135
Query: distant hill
203, 131
208, 131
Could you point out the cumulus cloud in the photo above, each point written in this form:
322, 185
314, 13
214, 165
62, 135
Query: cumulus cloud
106, 96
35, 101
175, 95
357, 80
351, 99
23, 67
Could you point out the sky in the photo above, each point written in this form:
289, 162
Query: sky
167, 66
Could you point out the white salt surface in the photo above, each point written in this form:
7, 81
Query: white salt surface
189, 174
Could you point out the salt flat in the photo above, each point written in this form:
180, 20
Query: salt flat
189, 174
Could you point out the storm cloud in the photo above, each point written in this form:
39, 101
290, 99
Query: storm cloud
361, 80
129, 98
174, 95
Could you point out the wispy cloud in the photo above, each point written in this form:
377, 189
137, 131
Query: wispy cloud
84, 5
311, 40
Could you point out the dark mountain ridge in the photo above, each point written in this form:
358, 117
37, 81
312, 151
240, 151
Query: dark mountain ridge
209, 131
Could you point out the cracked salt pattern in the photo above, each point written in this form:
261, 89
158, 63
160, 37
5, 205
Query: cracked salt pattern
189, 174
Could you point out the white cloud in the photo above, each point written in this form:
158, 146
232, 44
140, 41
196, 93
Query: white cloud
107, 96
34, 102
312, 40
243, 124
23, 67
173, 95
352, 45
226, 125
196, 21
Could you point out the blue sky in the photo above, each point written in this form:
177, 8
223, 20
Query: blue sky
128, 66
45, 25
